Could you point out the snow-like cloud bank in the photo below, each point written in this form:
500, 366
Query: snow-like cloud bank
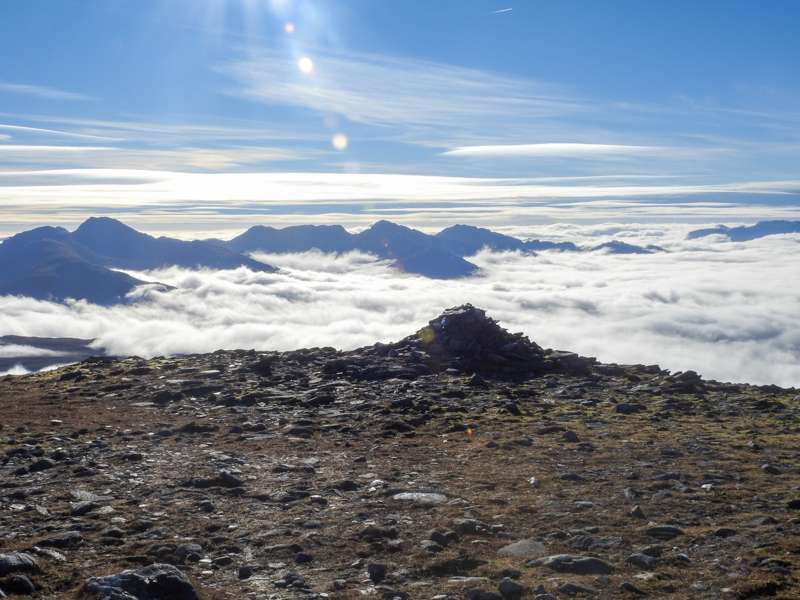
21, 370
15, 370
729, 311
20, 350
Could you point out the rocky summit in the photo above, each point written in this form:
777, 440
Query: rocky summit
463, 462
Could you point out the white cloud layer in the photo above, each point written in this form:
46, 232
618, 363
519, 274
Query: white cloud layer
577, 150
21, 350
66, 196
199, 205
729, 311
15, 370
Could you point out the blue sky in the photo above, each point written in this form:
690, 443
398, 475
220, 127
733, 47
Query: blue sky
425, 111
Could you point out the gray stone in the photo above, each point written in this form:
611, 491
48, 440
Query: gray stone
627, 586
66, 539
643, 561
442, 537
41, 465
468, 526
629, 408
18, 562
528, 548
83, 507
421, 498
664, 532
570, 436
19, 584
579, 565
431, 546
376, 572
510, 589
571, 588
155, 582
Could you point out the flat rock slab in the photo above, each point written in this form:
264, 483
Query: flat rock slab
421, 498
528, 548
664, 532
578, 565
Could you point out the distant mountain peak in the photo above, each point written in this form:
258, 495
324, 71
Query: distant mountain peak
106, 224
619, 247
53, 264
746, 233
384, 226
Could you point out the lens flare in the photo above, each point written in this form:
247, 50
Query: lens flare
289, 27
306, 65
339, 141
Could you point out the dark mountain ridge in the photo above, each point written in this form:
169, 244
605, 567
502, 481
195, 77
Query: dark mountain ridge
51, 263
746, 233
47, 264
121, 246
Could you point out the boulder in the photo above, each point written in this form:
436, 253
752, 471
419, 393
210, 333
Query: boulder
578, 565
18, 562
155, 582
528, 548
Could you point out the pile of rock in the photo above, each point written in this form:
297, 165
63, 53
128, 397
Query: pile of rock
466, 339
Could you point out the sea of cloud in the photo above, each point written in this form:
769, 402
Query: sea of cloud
15, 370
730, 311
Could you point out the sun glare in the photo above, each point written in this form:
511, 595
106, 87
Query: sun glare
306, 65
339, 141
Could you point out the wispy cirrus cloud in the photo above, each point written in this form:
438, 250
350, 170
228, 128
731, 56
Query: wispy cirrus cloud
173, 132
471, 112
570, 150
42, 91
190, 158
201, 201
12, 152
445, 105
387, 91
42, 131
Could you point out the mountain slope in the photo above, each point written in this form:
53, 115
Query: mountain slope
300, 238
459, 462
617, 247
50, 263
411, 250
123, 247
47, 264
466, 240
746, 233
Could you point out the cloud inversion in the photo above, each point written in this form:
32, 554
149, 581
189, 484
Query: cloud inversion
728, 310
